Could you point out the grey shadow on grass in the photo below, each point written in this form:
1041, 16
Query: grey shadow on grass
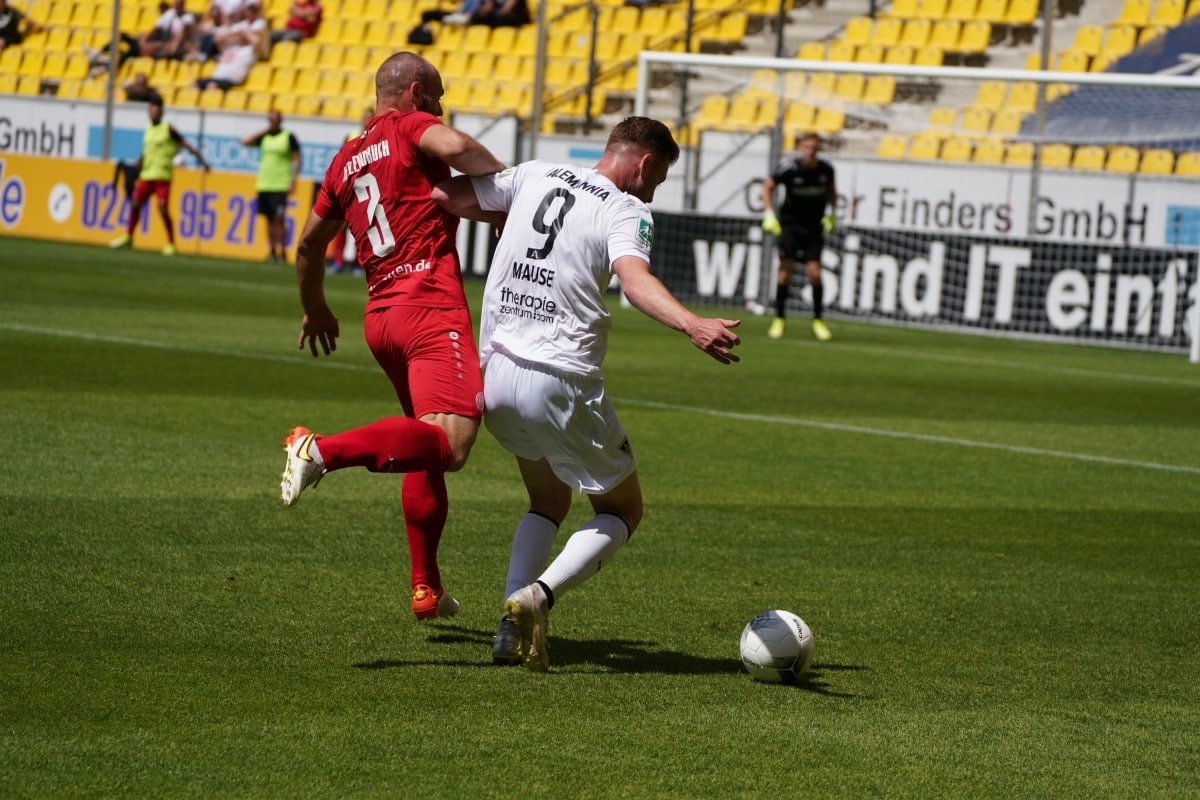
613, 655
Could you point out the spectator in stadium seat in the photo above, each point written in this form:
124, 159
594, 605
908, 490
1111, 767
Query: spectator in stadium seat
501, 13
15, 26
156, 167
304, 18
278, 168
239, 50
138, 90
506, 13
166, 39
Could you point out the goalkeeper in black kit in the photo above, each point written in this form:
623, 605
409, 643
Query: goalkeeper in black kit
800, 227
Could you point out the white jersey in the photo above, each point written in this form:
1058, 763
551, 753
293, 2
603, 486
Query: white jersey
544, 300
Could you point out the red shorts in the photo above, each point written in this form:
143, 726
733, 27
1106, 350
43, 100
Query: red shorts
160, 189
430, 356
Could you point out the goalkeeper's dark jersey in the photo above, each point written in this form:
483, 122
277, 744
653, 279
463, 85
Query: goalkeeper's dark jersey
806, 192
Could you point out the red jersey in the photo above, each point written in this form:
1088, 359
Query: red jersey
380, 184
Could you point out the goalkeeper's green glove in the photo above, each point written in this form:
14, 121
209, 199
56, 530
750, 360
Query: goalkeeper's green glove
770, 223
829, 222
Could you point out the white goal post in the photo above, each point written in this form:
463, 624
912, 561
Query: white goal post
1006, 230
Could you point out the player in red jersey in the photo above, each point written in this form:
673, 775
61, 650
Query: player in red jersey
417, 323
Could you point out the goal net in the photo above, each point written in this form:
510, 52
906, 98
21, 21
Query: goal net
1019, 202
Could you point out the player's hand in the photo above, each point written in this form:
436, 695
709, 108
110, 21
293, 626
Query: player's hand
716, 337
320, 326
770, 223
829, 222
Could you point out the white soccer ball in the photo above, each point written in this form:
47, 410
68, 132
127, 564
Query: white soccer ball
777, 647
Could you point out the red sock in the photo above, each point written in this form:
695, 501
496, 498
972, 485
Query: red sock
425, 506
392, 444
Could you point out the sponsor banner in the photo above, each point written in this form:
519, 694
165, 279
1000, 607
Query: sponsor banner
967, 200
1141, 297
215, 214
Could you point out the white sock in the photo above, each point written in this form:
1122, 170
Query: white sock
588, 549
530, 550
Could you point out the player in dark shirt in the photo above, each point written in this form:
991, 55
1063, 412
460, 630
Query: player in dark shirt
800, 227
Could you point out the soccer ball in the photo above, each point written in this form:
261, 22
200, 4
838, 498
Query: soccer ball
777, 647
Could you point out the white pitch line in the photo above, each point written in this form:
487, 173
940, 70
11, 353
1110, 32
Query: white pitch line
920, 437
806, 423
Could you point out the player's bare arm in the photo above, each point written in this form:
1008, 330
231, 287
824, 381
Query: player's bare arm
647, 294
319, 325
458, 150
457, 196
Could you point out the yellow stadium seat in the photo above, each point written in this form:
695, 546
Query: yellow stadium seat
514, 99
916, 32
829, 121
57, 38
821, 86
1019, 154
869, 54
762, 84
957, 148
307, 105
943, 119
744, 113
259, 102
308, 54
1150, 32
928, 57
1123, 159
975, 36
1157, 161
993, 11
29, 84
901, 54
850, 86
880, 91
1022, 96
235, 99
714, 108
887, 30
932, 9
53, 64
1072, 61
479, 37
456, 65
1193, 9
799, 115
976, 120
1088, 39
283, 54
1022, 12
31, 62
1088, 157
306, 83
1120, 41
841, 51
811, 51
924, 147
1056, 156
1007, 122
8, 83
991, 94
1135, 13
212, 99
259, 79
988, 151
903, 9
858, 31
187, 97
962, 10
67, 90
1167, 13
1188, 164
945, 34
892, 146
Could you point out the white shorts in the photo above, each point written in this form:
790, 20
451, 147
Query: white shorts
565, 419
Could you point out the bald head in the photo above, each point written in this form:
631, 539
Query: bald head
407, 82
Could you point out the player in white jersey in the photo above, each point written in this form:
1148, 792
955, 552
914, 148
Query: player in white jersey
543, 335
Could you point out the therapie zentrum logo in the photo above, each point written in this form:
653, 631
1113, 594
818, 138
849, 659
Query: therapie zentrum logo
646, 232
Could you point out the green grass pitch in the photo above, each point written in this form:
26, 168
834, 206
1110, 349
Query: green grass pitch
996, 543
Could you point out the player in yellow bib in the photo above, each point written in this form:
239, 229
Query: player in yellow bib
156, 166
278, 168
